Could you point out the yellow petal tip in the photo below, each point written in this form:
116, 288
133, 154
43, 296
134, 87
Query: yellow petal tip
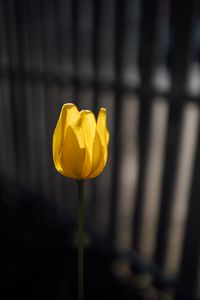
85, 111
68, 104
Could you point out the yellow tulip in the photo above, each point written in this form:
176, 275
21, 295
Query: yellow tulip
80, 143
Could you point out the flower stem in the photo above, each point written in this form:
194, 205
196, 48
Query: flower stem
80, 238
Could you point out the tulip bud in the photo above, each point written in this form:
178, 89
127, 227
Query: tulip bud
80, 143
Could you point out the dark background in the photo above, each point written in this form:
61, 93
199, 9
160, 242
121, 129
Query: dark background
140, 60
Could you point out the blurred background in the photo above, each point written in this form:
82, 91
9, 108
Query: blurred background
141, 60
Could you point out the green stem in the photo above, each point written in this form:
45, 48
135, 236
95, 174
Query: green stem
80, 238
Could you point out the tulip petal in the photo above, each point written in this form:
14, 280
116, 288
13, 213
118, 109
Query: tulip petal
88, 126
56, 147
100, 146
69, 116
73, 154
102, 128
103, 131
98, 162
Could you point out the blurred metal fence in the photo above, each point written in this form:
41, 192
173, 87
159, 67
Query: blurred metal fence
102, 52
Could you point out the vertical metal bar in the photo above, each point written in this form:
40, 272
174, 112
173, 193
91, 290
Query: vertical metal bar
82, 33
183, 16
84, 49
107, 43
96, 31
148, 60
30, 120
143, 143
52, 105
11, 49
14, 14
37, 115
21, 100
188, 272
7, 138
25, 60
74, 6
118, 55
169, 177
64, 39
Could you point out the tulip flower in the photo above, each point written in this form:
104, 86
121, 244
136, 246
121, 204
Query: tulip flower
80, 143
80, 151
